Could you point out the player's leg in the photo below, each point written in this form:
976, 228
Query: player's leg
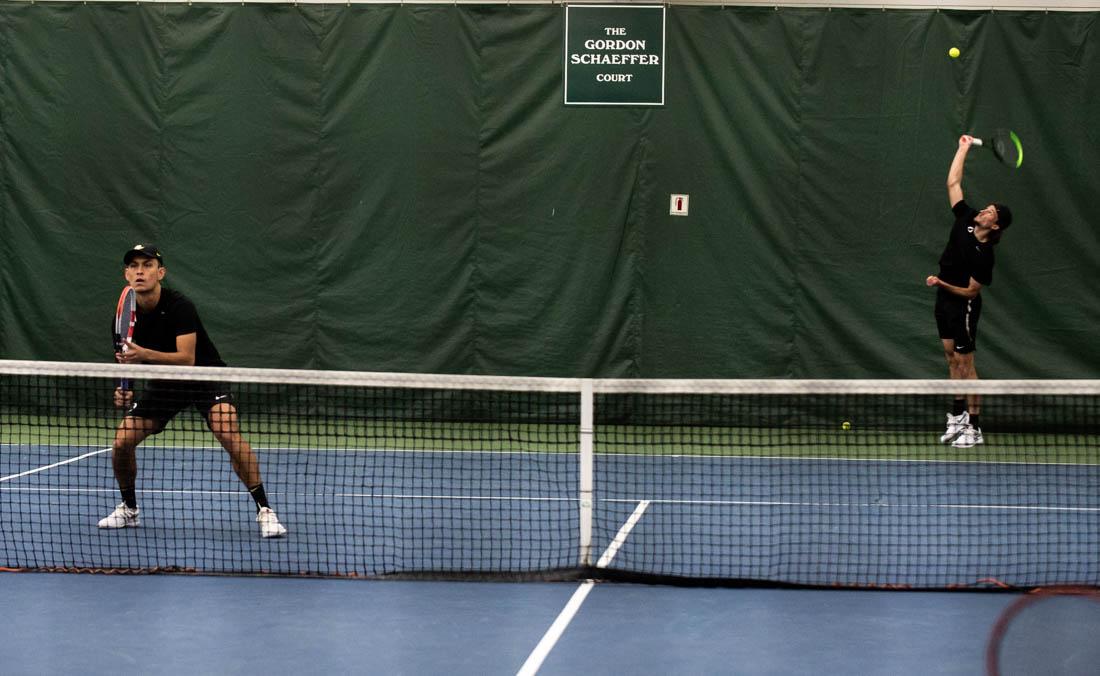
971, 434
129, 434
948, 321
156, 406
958, 418
966, 342
965, 370
225, 424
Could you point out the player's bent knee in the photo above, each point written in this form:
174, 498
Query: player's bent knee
123, 446
125, 440
230, 438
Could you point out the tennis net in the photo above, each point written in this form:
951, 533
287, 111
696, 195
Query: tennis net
821, 483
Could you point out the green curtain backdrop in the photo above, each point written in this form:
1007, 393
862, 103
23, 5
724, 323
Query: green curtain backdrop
400, 187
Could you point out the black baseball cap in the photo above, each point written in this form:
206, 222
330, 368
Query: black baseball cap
147, 250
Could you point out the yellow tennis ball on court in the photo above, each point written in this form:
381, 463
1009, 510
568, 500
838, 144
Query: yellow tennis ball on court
954, 52
845, 425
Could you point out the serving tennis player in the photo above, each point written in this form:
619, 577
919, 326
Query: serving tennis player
168, 331
966, 265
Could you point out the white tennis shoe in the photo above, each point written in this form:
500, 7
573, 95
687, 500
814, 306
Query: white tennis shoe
122, 517
269, 523
956, 424
971, 436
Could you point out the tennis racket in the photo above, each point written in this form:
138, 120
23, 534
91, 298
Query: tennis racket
125, 317
1051, 632
1005, 145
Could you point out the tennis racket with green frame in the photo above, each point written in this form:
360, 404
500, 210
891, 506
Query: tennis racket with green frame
1005, 145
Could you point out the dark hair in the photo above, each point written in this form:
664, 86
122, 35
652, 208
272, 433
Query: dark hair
1004, 219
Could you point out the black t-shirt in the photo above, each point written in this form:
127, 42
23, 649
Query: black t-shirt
964, 256
174, 315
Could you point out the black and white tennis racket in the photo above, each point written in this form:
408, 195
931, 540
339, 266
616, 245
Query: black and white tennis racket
125, 318
1005, 145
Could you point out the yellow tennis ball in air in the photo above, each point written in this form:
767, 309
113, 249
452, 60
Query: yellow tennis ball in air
845, 425
954, 52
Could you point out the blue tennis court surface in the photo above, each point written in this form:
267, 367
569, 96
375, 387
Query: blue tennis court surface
98, 624
375, 512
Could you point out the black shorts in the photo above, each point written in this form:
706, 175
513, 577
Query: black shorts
957, 320
163, 399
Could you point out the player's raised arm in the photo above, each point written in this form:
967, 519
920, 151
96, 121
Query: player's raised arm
955, 173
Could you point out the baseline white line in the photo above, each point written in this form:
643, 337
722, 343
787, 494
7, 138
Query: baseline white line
619, 539
864, 505
606, 456
36, 470
550, 639
372, 496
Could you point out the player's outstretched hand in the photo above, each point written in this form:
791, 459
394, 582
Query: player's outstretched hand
932, 280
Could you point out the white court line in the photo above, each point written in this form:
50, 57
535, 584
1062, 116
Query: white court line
36, 470
608, 456
372, 496
620, 537
862, 505
615, 544
550, 639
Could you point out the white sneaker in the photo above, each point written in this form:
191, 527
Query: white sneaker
269, 523
955, 426
122, 517
971, 436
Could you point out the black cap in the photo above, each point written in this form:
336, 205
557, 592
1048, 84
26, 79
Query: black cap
1004, 215
147, 250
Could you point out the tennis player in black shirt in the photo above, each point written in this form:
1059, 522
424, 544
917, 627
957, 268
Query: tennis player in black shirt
966, 265
168, 331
